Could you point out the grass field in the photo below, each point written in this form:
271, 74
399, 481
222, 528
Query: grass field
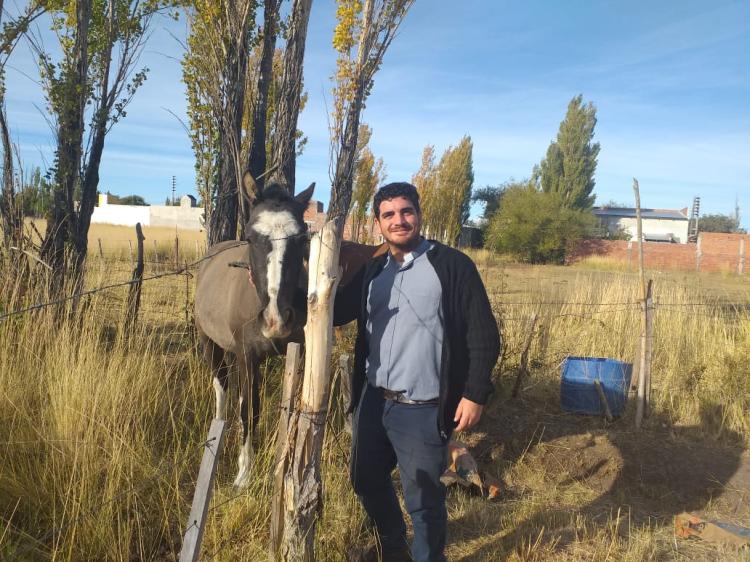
101, 433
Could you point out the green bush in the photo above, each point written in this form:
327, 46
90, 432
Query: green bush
536, 227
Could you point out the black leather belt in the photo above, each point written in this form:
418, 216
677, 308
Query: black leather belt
399, 397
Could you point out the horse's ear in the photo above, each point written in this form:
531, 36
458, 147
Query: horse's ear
250, 190
304, 197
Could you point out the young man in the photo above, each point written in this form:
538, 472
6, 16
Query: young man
426, 346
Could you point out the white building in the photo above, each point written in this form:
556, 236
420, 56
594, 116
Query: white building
184, 216
659, 225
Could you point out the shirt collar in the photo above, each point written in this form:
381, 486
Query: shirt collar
409, 258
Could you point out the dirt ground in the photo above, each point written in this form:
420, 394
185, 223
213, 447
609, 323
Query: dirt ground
605, 476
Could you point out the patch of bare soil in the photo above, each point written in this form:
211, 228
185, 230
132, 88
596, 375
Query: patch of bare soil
646, 477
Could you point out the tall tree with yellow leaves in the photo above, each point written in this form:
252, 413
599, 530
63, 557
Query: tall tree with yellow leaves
369, 173
445, 190
425, 180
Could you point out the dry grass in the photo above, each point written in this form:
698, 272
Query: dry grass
101, 435
117, 242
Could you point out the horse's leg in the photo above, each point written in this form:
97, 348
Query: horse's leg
247, 367
214, 356
257, 379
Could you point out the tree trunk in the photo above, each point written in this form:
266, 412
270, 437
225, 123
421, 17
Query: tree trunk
90, 181
224, 216
60, 225
287, 112
10, 216
257, 156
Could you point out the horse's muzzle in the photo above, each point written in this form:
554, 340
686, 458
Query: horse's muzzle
279, 325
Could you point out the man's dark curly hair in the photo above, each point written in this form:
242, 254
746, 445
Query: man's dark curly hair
396, 189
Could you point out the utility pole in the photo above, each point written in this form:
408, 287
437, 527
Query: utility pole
174, 189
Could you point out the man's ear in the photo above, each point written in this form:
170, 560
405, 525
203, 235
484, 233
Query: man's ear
304, 197
250, 190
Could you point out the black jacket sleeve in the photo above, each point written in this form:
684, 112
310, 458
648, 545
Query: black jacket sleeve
482, 335
348, 301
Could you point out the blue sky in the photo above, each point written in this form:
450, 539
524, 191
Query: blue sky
670, 80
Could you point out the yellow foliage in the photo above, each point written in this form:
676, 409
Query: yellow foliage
349, 17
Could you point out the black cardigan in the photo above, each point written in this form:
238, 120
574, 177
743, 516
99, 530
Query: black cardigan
471, 340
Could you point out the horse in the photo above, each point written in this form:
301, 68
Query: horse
253, 315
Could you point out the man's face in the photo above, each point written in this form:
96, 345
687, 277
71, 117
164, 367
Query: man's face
399, 222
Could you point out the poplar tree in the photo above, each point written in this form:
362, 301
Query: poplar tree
368, 174
569, 166
425, 180
455, 180
445, 190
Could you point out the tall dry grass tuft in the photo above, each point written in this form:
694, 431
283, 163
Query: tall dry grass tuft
99, 433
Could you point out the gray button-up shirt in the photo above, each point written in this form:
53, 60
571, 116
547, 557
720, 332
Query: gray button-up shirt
405, 326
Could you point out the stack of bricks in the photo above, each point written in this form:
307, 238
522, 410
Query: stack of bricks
714, 252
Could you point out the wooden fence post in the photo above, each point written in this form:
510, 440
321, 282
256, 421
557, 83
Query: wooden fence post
101, 252
302, 481
603, 400
191, 542
176, 251
288, 404
644, 370
134, 294
523, 365
648, 350
187, 294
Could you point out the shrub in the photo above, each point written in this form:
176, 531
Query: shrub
536, 227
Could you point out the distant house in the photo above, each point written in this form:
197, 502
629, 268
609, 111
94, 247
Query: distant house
659, 225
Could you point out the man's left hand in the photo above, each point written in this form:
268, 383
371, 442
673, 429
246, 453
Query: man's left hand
467, 414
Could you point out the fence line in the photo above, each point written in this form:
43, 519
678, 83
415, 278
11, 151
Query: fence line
180, 271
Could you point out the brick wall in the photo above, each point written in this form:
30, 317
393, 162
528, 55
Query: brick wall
316, 218
713, 252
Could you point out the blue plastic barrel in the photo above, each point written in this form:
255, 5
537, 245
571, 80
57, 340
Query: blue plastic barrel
578, 393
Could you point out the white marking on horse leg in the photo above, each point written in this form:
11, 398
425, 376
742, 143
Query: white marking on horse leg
221, 400
245, 463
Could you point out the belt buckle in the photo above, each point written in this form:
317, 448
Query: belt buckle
393, 395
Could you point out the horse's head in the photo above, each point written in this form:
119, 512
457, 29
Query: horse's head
278, 241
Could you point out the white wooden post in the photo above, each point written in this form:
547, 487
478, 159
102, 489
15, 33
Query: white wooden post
641, 396
288, 405
191, 542
302, 481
